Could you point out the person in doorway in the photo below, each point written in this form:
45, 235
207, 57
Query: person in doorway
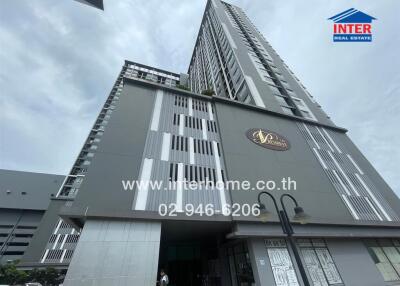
164, 281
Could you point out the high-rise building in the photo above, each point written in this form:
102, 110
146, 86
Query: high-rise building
239, 116
232, 58
94, 3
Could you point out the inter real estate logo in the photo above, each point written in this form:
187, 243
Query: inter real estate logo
352, 26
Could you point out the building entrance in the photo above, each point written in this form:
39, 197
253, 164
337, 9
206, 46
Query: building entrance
191, 263
191, 254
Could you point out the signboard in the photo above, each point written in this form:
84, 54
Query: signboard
268, 139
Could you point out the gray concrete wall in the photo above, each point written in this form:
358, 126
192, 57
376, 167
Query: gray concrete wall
26, 190
119, 154
245, 160
122, 253
354, 263
36, 248
16, 230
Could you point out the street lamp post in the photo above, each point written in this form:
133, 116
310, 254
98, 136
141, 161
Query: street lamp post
287, 228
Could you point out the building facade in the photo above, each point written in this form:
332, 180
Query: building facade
260, 124
24, 198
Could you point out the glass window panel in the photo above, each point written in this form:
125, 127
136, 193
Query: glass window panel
281, 263
396, 242
328, 266
319, 262
314, 267
393, 256
383, 264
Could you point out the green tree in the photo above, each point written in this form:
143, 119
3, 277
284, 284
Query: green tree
208, 92
36, 275
46, 277
9, 274
180, 86
52, 276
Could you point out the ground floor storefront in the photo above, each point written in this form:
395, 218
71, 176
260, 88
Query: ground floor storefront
123, 252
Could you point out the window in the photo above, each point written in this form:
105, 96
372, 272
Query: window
319, 262
287, 110
386, 255
26, 227
275, 89
161, 79
302, 106
281, 100
281, 263
142, 74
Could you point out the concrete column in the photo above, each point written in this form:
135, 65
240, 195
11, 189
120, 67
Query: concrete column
262, 270
111, 252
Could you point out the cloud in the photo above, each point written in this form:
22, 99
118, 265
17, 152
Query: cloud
59, 60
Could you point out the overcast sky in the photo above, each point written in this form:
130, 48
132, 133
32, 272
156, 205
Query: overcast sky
59, 60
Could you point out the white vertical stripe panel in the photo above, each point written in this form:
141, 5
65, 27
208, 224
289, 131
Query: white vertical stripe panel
373, 197
155, 120
330, 139
219, 178
312, 137
355, 164
204, 128
63, 255
190, 103
179, 189
326, 141
73, 231
341, 182
352, 210
254, 92
210, 113
58, 226
45, 256
143, 187
181, 123
63, 242
56, 241
166, 144
319, 158
373, 208
191, 150
344, 174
